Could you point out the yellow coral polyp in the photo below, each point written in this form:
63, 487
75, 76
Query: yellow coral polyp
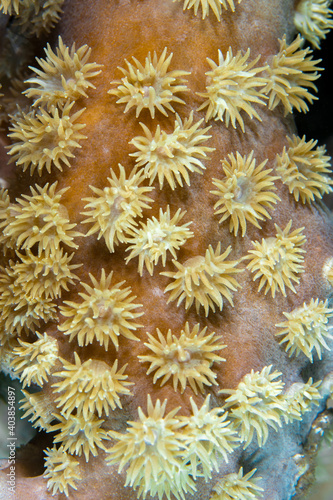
204, 280
40, 407
256, 405
305, 329
44, 275
208, 435
11, 6
278, 260
90, 386
215, 5
156, 237
237, 486
78, 435
151, 448
61, 470
299, 399
290, 76
114, 209
232, 88
37, 17
38, 219
187, 359
104, 314
313, 19
151, 86
172, 156
245, 192
45, 138
19, 312
305, 169
64, 76
34, 361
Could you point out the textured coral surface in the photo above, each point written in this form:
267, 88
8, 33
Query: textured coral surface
166, 256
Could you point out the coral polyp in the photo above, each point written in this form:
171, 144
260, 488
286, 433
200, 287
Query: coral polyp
104, 314
313, 19
305, 329
204, 280
152, 448
157, 237
245, 192
233, 87
90, 386
78, 435
305, 169
114, 209
255, 405
237, 485
188, 359
172, 156
45, 138
61, 470
290, 76
209, 436
278, 260
215, 5
34, 361
64, 75
150, 86
45, 275
39, 407
38, 219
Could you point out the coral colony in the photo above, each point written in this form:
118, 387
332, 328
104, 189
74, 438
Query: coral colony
166, 256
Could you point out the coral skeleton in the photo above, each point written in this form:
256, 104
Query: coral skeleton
172, 156
305, 329
237, 486
157, 237
278, 260
187, 359
290, 76
204, 280
90, 386
114, 209
232, 87
305, 169
244, 192
104, 314
150, 86
313, 19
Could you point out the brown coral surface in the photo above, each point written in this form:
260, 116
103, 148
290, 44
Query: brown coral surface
171, 361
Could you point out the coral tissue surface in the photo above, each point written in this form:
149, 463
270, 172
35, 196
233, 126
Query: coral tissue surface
166, 254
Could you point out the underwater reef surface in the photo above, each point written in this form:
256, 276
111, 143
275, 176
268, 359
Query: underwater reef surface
166, 255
